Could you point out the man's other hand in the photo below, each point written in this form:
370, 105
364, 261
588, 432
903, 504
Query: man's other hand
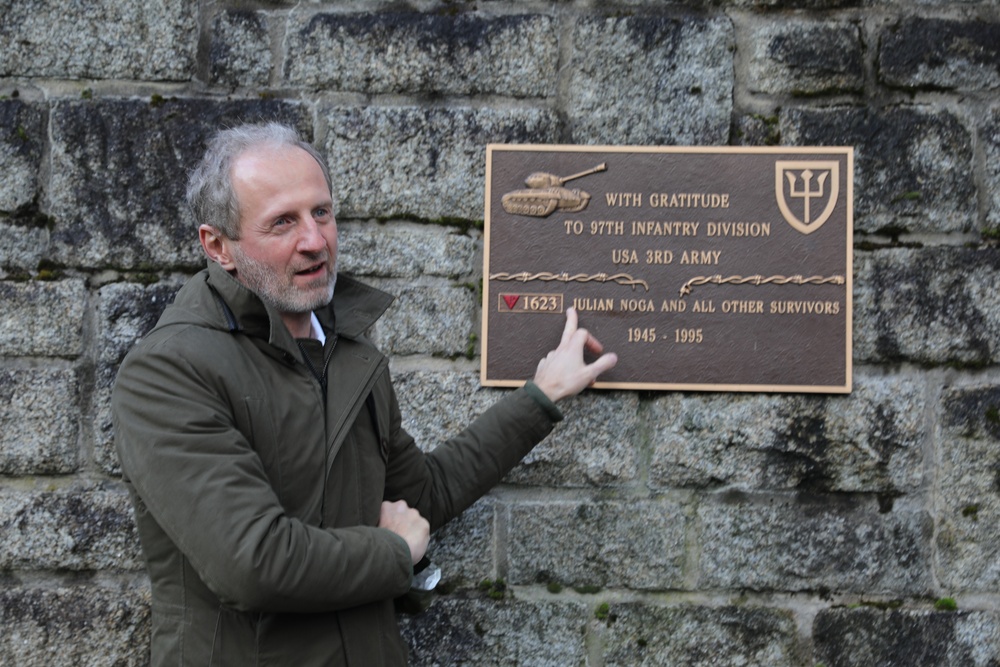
563, 372
406, 522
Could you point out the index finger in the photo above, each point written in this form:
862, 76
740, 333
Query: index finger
571, 326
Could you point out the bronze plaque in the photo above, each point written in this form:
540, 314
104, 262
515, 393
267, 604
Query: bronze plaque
703, 268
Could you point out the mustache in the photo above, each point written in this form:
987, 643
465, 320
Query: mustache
312, 259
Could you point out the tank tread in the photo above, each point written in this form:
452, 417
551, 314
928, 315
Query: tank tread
533, 207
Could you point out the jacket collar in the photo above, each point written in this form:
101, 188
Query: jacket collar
356, 307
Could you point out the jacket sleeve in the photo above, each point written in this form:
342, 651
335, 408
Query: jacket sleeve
447, 480
209, 494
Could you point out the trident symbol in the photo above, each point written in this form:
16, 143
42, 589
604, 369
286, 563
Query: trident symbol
805, 193
829, 179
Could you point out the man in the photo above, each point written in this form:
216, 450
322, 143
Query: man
279, 502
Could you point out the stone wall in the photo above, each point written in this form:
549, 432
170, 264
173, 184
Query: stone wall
651, 528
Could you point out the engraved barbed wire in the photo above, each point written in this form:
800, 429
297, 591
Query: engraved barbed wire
760, 280
620, 278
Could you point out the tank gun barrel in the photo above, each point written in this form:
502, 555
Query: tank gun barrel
587, 172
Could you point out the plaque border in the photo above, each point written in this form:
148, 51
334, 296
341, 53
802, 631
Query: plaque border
846, 151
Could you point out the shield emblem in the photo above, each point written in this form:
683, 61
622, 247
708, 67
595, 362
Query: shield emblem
806, 191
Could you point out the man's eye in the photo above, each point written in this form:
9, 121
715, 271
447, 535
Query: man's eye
321, 213
280, 222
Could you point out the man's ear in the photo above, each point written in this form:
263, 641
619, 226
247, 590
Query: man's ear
216, 246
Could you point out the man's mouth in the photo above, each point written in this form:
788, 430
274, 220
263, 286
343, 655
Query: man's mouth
312, 270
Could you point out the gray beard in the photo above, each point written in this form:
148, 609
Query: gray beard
283, 296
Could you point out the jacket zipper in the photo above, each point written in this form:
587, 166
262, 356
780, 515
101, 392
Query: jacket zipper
328, 356
326, 450
326, 362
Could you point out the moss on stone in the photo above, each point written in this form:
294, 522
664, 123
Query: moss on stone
49, 271
946, 604
495, 589
145, 278
884, 605
587, 589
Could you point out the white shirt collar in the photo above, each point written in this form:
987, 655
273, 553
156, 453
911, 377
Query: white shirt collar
317, 329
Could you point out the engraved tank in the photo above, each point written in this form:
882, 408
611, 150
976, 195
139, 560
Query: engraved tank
545, 194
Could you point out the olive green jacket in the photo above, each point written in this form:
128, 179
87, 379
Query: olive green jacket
257, 500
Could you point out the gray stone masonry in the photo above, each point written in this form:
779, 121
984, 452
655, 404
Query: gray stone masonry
477, 629
460, 54
990, 136
20, 157
650, 80
686, 635
871, 442
947, 54
805, 57
86, 624
809, 543
39, 421
969, 547
913, 164
650, 528
931, 305
83, 527
421, 163
872, 636
636, 544
43, 318
104, 39
240, 51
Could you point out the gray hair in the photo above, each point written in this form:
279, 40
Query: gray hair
210, 193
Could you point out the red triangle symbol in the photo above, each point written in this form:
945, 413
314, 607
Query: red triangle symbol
511, 300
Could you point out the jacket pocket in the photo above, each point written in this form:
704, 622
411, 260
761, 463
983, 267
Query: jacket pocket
234, 642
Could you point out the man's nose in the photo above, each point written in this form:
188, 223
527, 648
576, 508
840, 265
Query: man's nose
311, 238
